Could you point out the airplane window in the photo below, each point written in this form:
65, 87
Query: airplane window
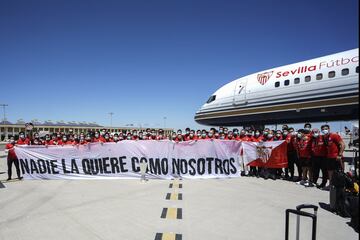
345, 72
287, 82
296, 80
331, 74
277, 84
357, 69
211, 99
319, 76
307, 78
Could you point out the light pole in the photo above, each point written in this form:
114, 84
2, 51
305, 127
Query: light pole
111, 114
164, 122
4, 105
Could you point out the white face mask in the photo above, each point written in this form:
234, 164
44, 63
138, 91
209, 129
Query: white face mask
299, 135
116, 138
269, 135
325, 131
22, 136
316, 135
210, 134
191, 135
187, 132
257, 134
96, 135
128, 137
307, 129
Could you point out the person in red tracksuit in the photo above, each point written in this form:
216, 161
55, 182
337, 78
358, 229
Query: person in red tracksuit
318, 157
66, 141
203, 135
12, 158
98, 137
108, 138
335, 148
292, 155
22, 139
191, 136
278, 137
304, 153
36, 139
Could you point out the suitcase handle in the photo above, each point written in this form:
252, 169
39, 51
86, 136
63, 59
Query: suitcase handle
300, 213
302, 206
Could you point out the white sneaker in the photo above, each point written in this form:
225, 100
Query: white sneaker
302, 182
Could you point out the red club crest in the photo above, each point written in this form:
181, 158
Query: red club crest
264, 77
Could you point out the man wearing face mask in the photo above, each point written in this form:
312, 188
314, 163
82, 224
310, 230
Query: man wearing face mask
116, 138
236, 134
191, 136
187, 133
257, 136
98, 137
66, 141
292, 156
203, 135
23, 140
142, 136
318, 155
47, 139
335, 148
307, 129
278, 136
36, 139
107, 138
160, 136
153, 134
12, 158
304, 153
134, 135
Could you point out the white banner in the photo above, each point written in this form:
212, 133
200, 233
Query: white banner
165, 159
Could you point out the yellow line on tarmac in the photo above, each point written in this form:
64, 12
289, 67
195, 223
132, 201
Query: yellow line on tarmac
171, 214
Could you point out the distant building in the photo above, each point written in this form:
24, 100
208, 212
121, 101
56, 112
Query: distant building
12, 129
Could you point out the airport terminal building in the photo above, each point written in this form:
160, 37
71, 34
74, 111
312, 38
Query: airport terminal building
12, 129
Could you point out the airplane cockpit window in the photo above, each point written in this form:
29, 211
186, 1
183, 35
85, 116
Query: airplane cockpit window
211, 99
319, 76
296, 80
331, 74
345, 72
277, 84
357, 69
307, 78
287, 82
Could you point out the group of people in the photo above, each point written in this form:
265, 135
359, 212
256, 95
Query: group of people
310, 150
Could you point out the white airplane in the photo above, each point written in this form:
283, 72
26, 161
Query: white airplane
317, 90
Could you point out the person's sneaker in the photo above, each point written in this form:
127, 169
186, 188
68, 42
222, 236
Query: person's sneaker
326, 188
309, 184
20, 178
8, 179
302, 182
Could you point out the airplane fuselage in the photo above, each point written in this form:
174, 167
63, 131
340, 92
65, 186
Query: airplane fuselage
321, 89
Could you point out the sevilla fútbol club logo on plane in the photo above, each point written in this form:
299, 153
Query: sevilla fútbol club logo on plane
263, 153
264, 77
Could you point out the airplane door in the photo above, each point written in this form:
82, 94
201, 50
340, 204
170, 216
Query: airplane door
240, 92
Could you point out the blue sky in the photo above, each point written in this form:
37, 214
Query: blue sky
144, 60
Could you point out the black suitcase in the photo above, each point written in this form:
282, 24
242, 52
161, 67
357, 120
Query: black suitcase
333, 198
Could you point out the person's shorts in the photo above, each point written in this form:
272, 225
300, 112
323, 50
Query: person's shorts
332, 164
305, 162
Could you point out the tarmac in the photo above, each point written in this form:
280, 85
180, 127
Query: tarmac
212, 209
